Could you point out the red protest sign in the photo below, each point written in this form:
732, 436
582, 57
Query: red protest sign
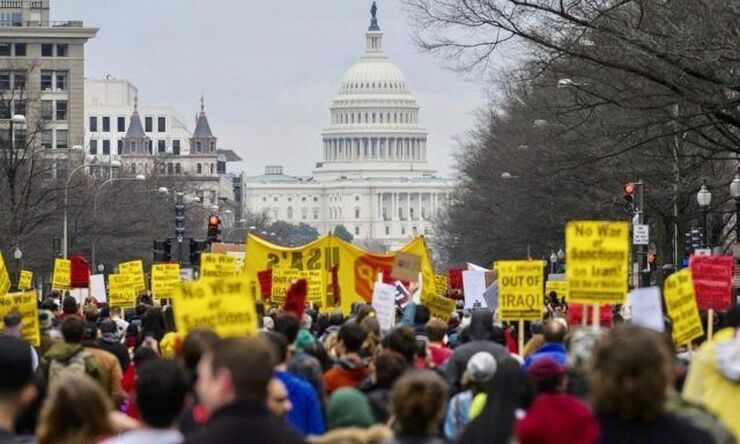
455, 278
576, 313
712, 276
265, 280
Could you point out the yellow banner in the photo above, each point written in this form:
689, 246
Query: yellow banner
281, 280
4, 276
165, 279
356, 269
25, 280
25, 304
217, 266
122, 290
223, 306
520, 290
136, 270
62, 277
680, 302
441, 283
440, 307
559, 287
598, 261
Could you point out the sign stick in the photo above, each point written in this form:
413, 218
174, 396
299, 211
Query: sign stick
584, 317
520, 330
595, 315
710, 323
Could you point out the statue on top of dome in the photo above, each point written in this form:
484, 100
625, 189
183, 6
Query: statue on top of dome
374, 10
374, 21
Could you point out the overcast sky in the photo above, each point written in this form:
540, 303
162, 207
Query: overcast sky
268, 68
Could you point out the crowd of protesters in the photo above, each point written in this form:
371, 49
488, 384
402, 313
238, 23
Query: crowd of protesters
127, 376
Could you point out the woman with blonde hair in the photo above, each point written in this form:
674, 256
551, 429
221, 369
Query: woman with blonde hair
76, 411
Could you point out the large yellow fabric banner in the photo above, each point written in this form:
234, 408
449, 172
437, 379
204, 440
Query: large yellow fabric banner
356, 270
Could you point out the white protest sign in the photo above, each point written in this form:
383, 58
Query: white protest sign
491, 296
646, 309
474, 284
97, 287
641, 234
384, 303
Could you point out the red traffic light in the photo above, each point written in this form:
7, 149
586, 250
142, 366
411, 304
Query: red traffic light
629, 189
214, 221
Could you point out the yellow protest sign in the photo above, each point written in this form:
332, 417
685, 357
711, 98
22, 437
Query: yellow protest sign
223, 306
165, 279
520, 290
135, 269
122, 290
441, 283
62, 278
4, 277
25, 280
559, 287
680, 302
217, 266
440, 307
25, 304
282, 279
598, 261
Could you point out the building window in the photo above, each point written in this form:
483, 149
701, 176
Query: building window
20, 49
119, 148
211, 168
106, 147
121, 124
161, 146
387, 230
357, 213
357, 231
61, 111
315, 214
290, 212
161, 124
315, 199
106, 124
303, 199
170, 169
47, 80
61, 80
403, 231
93, 147
5, 49
4, 80
357, 198
178, 169
47, 50
62, 139
148, 124
176, 147
274, 199
199, 169
47, 139
47, 109
264, 198
93, 124
197, 147
62, 50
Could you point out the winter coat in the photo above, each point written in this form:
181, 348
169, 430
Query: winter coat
558, 419
347, 372
553, 350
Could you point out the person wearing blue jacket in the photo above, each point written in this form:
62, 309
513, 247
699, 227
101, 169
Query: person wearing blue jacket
554, 332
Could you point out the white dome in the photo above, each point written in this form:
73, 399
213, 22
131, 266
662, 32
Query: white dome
374, 74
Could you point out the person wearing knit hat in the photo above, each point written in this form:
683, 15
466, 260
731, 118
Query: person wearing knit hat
348, 407
555, 417
478, 372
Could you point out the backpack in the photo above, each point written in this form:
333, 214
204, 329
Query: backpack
76, 364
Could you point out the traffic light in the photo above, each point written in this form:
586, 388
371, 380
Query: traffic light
163, 251
179, 220
629, 197
214, 229
196, 248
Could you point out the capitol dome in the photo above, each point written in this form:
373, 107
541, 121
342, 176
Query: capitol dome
374, 119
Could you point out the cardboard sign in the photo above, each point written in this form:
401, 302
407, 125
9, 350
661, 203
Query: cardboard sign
26, 305
520, 290
224, 306
491, 297
62, 277
384, 303
441, 283
712, 277
474, 284
440, 307
283, 278
97, 288
646, 309
217, 266
680, 302
122, 290
598, 261
165, 279
4, 277
406, 267
135, 269
559, 287
25, 280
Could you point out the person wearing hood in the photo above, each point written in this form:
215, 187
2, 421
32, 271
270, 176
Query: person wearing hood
349, 369
713, 380
110, 341
350, 420
480, 330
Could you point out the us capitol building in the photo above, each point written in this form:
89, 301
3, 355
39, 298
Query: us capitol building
374, 178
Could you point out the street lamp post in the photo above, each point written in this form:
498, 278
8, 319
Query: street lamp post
18, 256
704, 199
553, 262
139, 177
66, 199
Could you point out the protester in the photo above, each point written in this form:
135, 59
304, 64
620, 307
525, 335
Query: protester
349, 419
629, 375
278, 400
555, 417
76, 411
385, 369
109, 341
128, 382
418, 405
480, 330
17, 390
161, 388
121, 324
70, 309
109, 366
349, 369
580, 344
436, 331
554, 333
232, 384
13, 326
70, 355
713, 380
480, 370
401, 340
